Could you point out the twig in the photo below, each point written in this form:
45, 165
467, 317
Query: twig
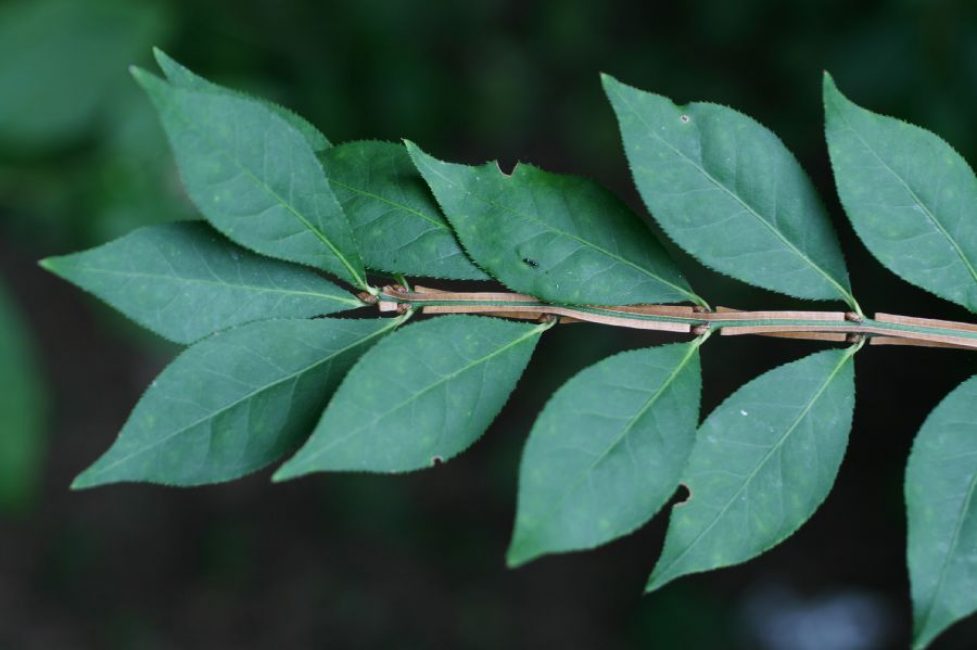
837, 326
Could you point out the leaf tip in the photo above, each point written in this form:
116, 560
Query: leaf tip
830, 89
286, 472
84, 481
418, 156
656, 581
144, 78
163, 60
926, 631
518, 554
137, 72
513, 561
609, 83
662, 574
921, 640
411, 147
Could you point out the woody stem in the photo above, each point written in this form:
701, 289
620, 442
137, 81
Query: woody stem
820, 325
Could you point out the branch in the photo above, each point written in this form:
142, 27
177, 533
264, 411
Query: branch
884, 329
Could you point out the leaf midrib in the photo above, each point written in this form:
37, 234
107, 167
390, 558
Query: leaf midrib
406, 208
321, 236
845, 294
230, 285
651, 401
763, 461
958, 526
926, 210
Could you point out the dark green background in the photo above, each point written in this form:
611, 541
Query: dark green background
417, 561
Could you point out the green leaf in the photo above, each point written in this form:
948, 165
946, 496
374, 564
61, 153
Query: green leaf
182, 77
728, 191
394, 216
941, 480
908, 194
563, 239
419, 397
255, 178
21, 412
184, 281
607, 451
762, 464
234, 402
62, 63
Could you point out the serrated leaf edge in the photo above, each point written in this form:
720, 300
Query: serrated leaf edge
655, 580
517, 560
845, 294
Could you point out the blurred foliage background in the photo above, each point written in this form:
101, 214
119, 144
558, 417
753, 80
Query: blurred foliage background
417, 561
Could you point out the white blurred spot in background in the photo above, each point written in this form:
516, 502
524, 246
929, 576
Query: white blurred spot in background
777, 617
